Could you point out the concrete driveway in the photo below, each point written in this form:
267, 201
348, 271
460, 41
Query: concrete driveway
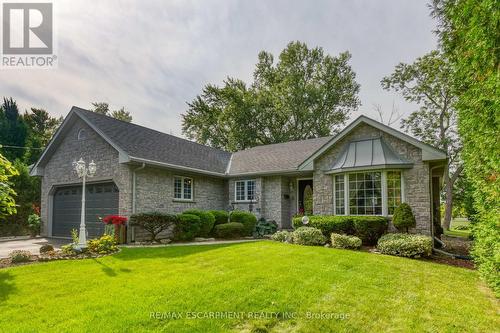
29, 244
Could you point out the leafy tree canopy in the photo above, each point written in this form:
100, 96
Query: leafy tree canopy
120, 114
305, 94
13, 130
7, 193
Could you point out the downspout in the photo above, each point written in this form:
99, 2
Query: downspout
134, 181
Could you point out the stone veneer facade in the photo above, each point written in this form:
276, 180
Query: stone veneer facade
276, 195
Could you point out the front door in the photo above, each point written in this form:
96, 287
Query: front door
305, 196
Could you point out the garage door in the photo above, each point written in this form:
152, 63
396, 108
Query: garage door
100, 200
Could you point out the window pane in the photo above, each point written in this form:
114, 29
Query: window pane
339, 195
251, 190
393, 190
365, 195
178, 188
188, 183
240, 190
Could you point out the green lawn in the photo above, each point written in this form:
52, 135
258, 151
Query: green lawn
374, 293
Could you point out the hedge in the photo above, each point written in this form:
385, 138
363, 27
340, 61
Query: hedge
246, 218
221, 216
207, 221
405, 245
345, 241
188, 226
308, 236
229, 230
368, 228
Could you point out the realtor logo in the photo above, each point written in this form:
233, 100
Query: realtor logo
27, 35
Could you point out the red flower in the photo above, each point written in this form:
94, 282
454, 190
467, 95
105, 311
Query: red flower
115, 219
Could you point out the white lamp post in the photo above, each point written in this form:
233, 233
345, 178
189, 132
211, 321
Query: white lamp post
83, 172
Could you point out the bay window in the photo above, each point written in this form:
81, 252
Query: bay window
244, 190
367, 193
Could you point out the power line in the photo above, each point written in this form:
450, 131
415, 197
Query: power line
19, 147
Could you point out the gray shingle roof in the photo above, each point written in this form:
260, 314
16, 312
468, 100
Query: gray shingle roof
364, 154
145, 143
276, 157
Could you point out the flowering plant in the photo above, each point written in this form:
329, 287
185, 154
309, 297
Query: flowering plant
115, 219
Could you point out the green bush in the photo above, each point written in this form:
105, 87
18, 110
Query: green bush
345, 242
246, 218
265, 227
187, 227
221, 216
153, 222
34, 224
405, 245
105, 244
282, 236
369, 228
207, 221
46, 248
308, 236
229, 230
328, 224
17, 256
403, 217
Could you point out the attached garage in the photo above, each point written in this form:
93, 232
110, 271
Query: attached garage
101, 199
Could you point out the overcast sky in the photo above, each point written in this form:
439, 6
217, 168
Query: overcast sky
154, 56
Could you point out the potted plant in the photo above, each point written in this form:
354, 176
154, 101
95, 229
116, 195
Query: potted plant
117, 224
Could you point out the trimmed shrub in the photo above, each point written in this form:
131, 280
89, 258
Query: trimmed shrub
403, 217
17, 256
187, 227
153, 222
221, 216
265, 227
282, 236
103, 245
229, 230
345, 242
46, 248
405, 245
246, 218
328, 224
308, 236
207, 221
369, 228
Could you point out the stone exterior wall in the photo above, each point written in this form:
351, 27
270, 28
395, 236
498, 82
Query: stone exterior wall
416, 180
59, 169
155, 192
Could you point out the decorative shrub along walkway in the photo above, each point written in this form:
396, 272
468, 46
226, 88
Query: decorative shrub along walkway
136, 289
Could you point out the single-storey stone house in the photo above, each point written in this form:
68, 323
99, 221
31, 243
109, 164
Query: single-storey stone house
366, 169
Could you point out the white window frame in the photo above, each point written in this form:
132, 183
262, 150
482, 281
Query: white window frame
245, 187
383, 180
182, 178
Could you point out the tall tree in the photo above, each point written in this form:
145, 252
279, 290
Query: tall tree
305, 94
13, 130
120, 114
7, 193
41, 128
428, 82
469, 34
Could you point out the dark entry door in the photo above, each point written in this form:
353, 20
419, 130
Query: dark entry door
100, 200
305, 189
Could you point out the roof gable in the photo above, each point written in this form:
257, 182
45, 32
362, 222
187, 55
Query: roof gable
429, 153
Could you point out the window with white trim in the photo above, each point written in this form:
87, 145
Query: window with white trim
244, 190
365, 193
393, 190
183, 188
339, 195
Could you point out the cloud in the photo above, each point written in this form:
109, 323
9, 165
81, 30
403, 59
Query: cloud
154, 56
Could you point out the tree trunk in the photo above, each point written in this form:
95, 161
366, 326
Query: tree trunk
448, 202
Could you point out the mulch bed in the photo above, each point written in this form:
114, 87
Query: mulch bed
442, 259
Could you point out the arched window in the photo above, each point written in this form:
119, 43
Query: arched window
82, 134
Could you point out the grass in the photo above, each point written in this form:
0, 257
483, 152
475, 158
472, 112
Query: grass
372, 293
459, 221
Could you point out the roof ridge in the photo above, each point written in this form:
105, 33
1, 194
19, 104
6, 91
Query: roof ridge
148, 128
285, 142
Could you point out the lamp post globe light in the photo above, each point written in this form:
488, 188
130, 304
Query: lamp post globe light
83, 171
